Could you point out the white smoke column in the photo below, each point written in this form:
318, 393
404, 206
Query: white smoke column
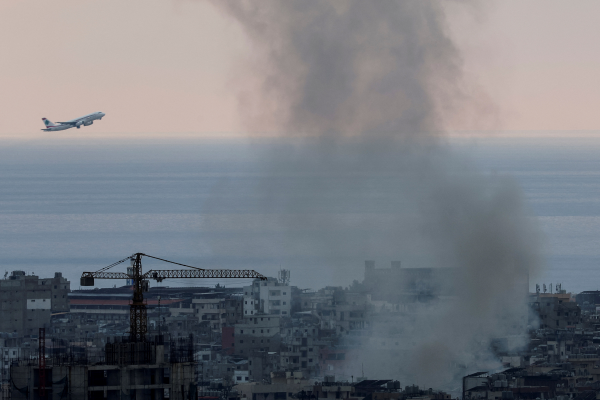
369, 83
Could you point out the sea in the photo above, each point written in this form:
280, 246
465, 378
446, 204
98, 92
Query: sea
79, 204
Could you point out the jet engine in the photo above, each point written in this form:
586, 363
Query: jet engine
88, 123
78, 125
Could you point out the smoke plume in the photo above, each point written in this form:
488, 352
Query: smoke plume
364, 89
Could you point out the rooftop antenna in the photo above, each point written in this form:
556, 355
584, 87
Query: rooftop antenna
537, 288
284, 277
5, 274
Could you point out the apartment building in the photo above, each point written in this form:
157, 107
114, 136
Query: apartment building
28, 302
267, 297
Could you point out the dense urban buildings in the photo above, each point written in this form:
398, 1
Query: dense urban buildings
270, 340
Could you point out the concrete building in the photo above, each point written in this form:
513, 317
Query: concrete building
300, 352
267, 297
129, 370
27, 302
555, 310
399, 285
294, 385
259, 333
283, 386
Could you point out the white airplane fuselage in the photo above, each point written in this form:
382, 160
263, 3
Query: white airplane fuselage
86, 120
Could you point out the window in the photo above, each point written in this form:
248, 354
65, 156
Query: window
284, 293
241, 341
239, 378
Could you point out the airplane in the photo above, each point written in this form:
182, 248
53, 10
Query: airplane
86, 120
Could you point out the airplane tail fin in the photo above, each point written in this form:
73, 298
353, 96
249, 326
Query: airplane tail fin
47, 122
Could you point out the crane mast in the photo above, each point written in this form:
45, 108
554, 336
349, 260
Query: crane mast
138, 319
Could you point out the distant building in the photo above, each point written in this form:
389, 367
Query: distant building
28, 302
555, 310
267, 297
399, 285
259, 333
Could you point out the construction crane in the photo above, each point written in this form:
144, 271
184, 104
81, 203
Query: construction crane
137, 310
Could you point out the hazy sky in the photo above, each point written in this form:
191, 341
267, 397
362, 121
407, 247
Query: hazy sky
173, 67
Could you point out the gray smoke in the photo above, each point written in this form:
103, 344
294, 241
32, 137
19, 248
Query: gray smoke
363, 88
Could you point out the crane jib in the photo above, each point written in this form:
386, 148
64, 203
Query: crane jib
138, 319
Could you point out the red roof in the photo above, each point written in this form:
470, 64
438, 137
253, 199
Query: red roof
94, 302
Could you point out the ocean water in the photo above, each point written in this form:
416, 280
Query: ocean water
560, 179
79, 205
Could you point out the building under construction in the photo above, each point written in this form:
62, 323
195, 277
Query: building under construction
127, 370
130, 367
